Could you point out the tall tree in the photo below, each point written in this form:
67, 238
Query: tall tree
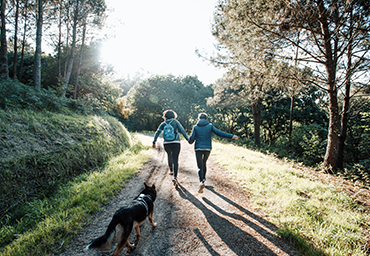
37, 65
321, 45
80, 59
15, 58
4, 71
73, 47
25, 29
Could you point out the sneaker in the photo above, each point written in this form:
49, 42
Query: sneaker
201, 187
175, 183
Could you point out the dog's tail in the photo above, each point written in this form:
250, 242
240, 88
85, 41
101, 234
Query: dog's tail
105, 241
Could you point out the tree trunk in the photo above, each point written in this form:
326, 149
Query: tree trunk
330, 158
346, 104
37, 69
291, 115
23, 46
256, 110
80, 60
15, 58
293, 90
72, 57
4, 69
60, 43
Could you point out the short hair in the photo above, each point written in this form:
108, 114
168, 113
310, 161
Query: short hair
168, 114
202, 116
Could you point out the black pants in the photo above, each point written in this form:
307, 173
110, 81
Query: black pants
173, 151
202, 157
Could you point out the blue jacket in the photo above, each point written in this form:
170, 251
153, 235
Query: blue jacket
202, 135
177, 128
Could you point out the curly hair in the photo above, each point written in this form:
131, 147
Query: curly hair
168, 114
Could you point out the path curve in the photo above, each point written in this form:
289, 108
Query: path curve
216, 222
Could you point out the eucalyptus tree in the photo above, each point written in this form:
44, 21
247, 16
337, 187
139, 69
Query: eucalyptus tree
92, 14
320, 25
15, 49
92, 10
4, 71
37, 64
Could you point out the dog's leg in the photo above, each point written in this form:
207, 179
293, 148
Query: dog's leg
137, 238
150, 217
122, 239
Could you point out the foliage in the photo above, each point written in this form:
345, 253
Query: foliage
148, 99
255, 37
120, 108
15, 95
43, 149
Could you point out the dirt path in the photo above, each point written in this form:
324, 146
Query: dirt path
217, 222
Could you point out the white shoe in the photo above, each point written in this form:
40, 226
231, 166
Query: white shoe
201, 187
175, 183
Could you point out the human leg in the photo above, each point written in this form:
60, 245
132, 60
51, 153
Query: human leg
206, 154
175, 157
199, 157
168, 149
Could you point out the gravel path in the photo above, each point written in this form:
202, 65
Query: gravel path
217, 222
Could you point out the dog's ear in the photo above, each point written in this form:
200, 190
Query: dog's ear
145, 185
153, 187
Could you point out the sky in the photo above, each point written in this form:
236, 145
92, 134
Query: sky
160, 38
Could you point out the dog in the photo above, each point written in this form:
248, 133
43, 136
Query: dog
127, 218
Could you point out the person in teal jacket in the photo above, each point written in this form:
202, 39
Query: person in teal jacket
172, 147
202, 135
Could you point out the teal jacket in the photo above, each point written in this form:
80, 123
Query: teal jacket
177, 128
202, 135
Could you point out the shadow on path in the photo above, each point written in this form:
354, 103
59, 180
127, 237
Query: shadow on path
237, 239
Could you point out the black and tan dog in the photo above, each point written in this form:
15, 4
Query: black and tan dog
126, 218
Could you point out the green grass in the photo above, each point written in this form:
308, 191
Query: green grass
59, 218
40, 150
318, 217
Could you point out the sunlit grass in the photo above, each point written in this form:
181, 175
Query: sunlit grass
320, 218
61, 217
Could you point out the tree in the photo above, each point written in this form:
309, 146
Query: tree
148, 99
73, 47
15, 58
323, 42
4, 71
37, 68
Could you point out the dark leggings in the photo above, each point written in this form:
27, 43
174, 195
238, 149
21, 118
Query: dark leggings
173, 151
202, 157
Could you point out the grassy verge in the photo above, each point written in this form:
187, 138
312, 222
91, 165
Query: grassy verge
319, 217
63, 215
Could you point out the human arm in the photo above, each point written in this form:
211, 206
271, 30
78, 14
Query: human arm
157, 133
182, 130
222, 134
192, 136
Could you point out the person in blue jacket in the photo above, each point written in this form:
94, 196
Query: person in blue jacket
202, 135
172, 147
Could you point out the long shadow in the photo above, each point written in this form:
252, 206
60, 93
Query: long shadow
206, 244
242, 209
245, 244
